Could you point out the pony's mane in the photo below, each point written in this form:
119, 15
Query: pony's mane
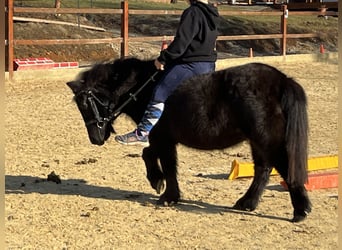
131, 63
99, 72
103, 74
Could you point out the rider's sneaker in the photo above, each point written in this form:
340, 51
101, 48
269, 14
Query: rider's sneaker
132, 138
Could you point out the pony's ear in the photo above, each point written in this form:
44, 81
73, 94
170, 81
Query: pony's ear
75, 86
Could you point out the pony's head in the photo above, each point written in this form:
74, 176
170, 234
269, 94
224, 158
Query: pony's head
101, 94
95, 102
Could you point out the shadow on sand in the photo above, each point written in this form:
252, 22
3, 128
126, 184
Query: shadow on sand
31, 184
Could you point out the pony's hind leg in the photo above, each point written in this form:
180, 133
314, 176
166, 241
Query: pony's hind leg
250, 200
299, 196
154, 174
300, 202
168, 161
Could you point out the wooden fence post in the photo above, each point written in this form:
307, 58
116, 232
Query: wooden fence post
57, 6
124, 29
6, 35
283, 23
9, 51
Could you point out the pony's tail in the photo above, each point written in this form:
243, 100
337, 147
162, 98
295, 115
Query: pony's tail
294, 105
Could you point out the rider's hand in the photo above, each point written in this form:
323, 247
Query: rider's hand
158, 65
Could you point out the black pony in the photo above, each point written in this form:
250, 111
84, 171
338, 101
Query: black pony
253, 102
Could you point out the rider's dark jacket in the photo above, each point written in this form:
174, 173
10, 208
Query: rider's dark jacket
195, 39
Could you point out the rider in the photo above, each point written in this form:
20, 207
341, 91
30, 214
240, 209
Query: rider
192, 52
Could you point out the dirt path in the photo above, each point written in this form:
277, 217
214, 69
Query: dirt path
105, 202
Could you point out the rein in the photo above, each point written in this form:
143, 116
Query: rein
133, 96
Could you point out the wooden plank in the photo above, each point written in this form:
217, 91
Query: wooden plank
155, 12
66, 10
301, 6
67, 41
265, 36
249, 13
250, 37
37, 20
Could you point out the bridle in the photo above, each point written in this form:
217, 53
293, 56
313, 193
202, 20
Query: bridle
98, 119
93, 100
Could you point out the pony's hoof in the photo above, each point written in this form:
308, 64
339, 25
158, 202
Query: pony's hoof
160, 186
166, 203
169, 204
245, 205
168, 200
299, 216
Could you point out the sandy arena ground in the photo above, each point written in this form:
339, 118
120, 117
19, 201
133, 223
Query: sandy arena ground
105, 202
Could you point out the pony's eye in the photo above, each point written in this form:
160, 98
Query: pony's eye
81, 101
85, 103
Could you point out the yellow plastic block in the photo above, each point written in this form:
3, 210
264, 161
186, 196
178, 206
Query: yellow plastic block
239, 170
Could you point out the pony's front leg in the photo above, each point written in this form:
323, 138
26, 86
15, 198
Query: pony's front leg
154, 174
250, 200
168, 161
